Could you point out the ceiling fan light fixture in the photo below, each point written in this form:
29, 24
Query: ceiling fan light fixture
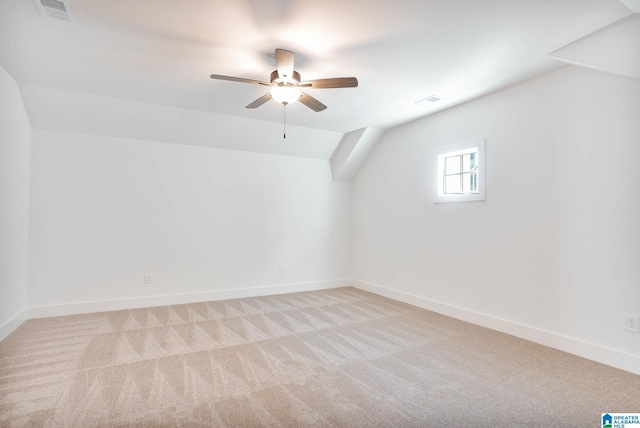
285, 94
285, 83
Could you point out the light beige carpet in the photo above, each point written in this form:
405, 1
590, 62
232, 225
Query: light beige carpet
333, 358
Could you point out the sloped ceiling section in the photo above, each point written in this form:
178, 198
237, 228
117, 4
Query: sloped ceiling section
352, 153
66, 111
615, 49
634, 5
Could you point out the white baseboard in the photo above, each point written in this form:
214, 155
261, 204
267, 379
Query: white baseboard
10, 326
590, 351
177, 299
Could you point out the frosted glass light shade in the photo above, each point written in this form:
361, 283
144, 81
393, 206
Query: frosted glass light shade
285, 94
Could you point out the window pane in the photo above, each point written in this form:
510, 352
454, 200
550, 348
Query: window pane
452, 184
470, 182
452, 165
466, 162
474, 160
466, 183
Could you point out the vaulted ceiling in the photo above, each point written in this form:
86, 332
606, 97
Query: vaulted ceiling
160, 54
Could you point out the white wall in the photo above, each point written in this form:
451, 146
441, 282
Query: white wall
552, 255
206, 223
15, 141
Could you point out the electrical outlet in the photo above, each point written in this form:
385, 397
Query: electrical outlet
147, 278
394, 274
633, 323
281, 270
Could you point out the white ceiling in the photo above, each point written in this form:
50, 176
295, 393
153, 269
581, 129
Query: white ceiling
162, 52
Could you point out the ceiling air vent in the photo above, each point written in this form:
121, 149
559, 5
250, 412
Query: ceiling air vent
429, 99
58, 9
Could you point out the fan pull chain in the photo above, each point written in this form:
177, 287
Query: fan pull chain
285, 120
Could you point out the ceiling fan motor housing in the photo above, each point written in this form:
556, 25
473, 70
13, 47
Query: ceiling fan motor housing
275, 78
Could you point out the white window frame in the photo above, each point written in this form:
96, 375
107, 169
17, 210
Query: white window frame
455, 150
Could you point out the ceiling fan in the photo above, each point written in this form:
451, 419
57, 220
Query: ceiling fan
285, 84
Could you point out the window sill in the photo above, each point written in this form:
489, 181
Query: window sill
458, 198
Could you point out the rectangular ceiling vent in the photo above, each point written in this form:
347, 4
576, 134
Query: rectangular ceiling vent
429, 99
58, 9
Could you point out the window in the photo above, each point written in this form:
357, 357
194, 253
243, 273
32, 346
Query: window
461, 172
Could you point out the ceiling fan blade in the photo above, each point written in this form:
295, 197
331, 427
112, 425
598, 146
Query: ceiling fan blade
311, 102
238, 79
284, 64
257, 103
336, 82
